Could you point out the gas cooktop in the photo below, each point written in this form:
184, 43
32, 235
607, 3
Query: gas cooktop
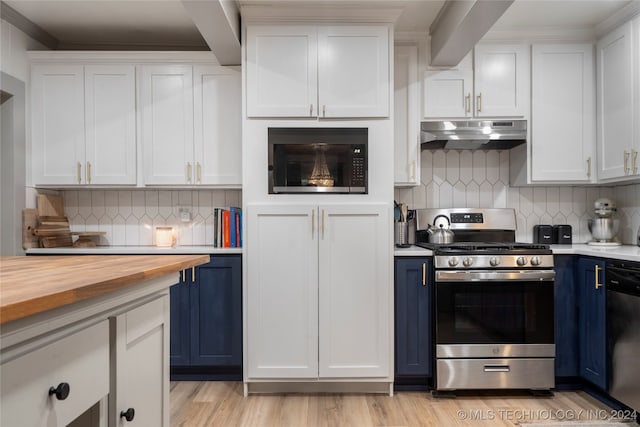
486, 248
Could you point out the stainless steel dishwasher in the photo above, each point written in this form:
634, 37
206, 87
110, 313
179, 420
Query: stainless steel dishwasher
623, 331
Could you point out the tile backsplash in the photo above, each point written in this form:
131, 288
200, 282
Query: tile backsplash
129, 217
481, 179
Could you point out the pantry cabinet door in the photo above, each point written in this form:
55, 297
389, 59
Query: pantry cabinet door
218, 126
355, 291
353, 71
563, 113
57, 102
166, 104
282, 292
110, 128
282, 67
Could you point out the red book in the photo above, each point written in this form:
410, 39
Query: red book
226, 231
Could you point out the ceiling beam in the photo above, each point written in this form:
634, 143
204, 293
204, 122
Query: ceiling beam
460, 24
15, 18
219, 24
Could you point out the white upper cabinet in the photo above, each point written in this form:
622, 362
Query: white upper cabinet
563, 113
447, 93
191, 125
218, 125
317, 71
616, 152
166, 102
83, 124
282, 69
498, 85
406, 116
501, 80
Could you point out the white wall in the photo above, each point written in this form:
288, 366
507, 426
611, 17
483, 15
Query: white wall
481, 179
14, 45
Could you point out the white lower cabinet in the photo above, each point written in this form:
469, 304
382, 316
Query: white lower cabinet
76, 366
319, 292
140, 377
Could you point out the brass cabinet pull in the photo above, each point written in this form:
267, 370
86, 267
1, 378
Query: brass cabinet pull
189, 172
79, 173
467, 103
324, 112
88, 172
413, 169
198, 172
424, 274
313, 223
193, 275
589, 167
634, 158
479, 99
626, 160
323, 223
598, 284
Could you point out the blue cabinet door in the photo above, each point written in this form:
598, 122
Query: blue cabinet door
566, 317
413, 317
592, 318
216, 313
179, 331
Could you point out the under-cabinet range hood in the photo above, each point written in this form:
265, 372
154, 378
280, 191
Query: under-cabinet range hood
473, 134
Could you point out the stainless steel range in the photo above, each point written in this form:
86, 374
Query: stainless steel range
494, 302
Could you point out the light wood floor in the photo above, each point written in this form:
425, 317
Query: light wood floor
222, 404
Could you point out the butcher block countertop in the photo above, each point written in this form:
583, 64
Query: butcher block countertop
32, 285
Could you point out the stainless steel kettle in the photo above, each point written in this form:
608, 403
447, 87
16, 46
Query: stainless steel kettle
440, 235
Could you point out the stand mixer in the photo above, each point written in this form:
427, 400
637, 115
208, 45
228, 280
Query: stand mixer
604, 226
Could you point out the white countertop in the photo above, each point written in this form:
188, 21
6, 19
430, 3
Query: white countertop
624, 252
135, 250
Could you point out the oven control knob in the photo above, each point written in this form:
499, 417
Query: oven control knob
535, 260
521, 261
494, 261
453, 261
467, 262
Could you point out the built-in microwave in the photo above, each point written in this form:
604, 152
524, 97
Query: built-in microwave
318, 160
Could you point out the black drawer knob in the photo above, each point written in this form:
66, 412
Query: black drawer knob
128, 414
61, 392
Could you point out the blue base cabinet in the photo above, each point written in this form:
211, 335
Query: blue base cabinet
413, 319
566, 317
206, 319
592, 333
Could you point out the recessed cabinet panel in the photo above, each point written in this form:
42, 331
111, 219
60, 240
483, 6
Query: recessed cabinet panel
281, 71
218, 127
448, 93
615, 103
57, 99
110, 124
563, 114
167, 124
406, 120
353, 76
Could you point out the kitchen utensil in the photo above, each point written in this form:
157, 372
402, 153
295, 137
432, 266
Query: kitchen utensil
53, 231
50, 205
29, 224
401, 233
63, 240
440, 235
603, 229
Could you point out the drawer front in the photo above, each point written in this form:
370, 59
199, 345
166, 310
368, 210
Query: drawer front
495, 373
81, 360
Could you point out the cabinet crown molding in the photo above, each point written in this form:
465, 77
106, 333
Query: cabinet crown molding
318, 14
123, 57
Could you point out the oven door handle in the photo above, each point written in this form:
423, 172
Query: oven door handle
496, 276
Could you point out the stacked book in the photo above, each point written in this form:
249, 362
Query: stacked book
227, 227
